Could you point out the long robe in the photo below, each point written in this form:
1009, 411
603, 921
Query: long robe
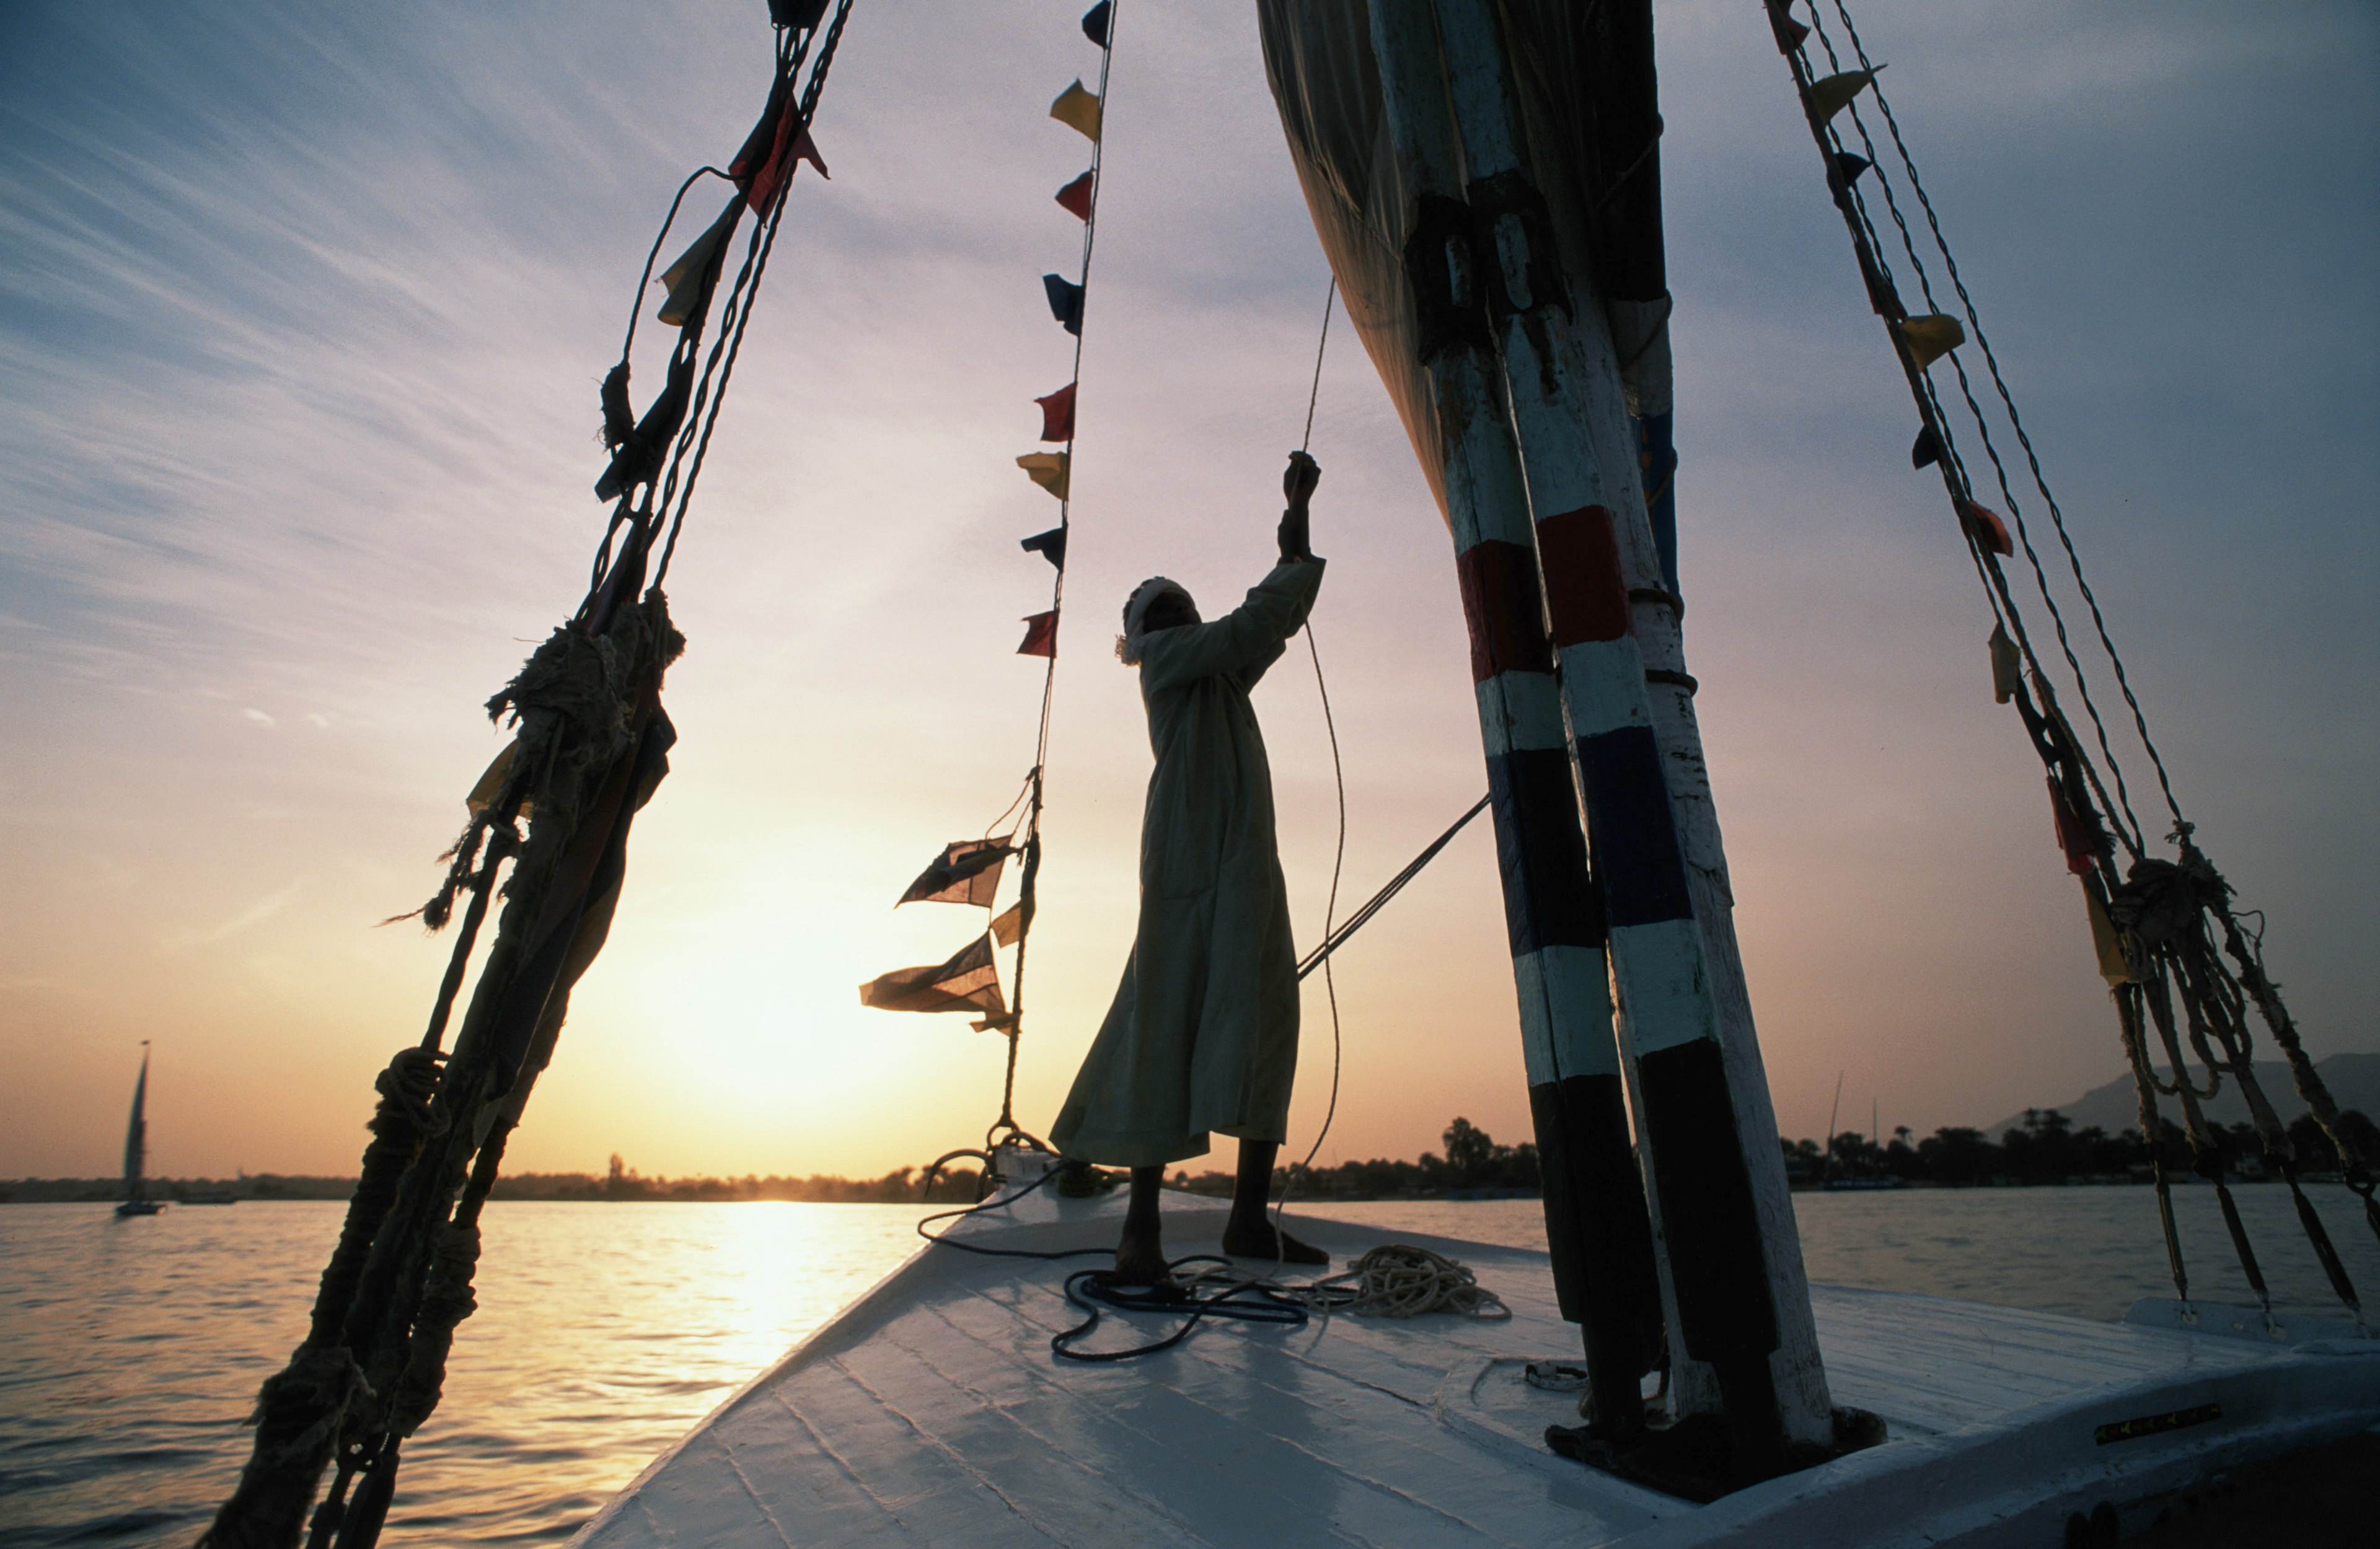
1203, 1032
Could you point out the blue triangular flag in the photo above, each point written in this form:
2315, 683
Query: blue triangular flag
1065, 303
1050, 546
1098, 20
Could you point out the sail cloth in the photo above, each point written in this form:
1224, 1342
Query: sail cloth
1587, 93
1202, 1036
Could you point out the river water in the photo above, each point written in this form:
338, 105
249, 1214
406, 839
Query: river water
129, 1350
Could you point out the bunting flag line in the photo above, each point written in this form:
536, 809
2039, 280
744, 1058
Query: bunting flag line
1007, 929
1050, 546
766, 155
1065, 302
1076, 198
1986, 527
1049, 469
1099, 22
1078, 110
968, 982
1827, 97
1040, 634
968, 871
1931, 338
684, 277
1058, 414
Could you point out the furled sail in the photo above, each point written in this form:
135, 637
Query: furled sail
1587, 92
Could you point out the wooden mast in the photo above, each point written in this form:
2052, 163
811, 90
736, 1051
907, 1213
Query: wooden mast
1596, 1223
1738, 1295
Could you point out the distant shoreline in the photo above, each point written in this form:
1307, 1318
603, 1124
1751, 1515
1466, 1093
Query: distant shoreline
200, 1192
2044, 1149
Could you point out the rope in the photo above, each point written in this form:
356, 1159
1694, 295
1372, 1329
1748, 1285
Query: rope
1035, 781
1956, 465
1086, 1288
1399, 1280
2016, 420
590, 738
2165, 913
1314, 397
1339, 852
738, 314
1395, 885
1395, 1281
943, 1239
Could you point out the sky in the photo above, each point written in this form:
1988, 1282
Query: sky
302, 313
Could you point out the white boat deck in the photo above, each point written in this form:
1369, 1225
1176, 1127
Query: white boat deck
932, 1411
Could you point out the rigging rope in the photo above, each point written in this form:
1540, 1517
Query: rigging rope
2157, 917
1955, 465
1339, 852
2007, 399
1035, 781
589, 745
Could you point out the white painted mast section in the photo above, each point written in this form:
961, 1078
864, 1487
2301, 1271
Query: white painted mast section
1688, 982
1560, 964
1565, 993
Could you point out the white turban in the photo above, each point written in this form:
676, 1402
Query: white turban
1135, 615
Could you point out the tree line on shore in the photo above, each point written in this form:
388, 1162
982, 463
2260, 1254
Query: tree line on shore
2046, 1149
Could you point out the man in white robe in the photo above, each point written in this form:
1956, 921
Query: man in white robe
1202, 1037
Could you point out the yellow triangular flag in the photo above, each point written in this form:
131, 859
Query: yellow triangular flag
2107, 941
491, 784
684, 277
1078, 110
1833, 94
2008, 667
1010, 925
1931, 338
1049, 469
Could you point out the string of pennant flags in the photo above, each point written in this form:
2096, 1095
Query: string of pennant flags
968, 872
2163, 931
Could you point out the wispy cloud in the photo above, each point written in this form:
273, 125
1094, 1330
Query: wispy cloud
302, 311
247, 919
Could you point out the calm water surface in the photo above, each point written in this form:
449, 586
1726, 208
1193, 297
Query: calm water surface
129, 1350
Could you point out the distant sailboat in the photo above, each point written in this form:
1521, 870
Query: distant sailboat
136, 1147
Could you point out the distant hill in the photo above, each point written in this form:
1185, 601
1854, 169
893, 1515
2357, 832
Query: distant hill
2353, 1080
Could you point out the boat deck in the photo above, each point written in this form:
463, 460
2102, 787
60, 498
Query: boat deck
932, 1412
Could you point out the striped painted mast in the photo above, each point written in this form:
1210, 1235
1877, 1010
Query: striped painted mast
1596, 1223
1734, 1266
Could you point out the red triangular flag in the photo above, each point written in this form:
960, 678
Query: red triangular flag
758, 173
1076, 198
2073, 834
1058, 414
1986, 527
1040, 634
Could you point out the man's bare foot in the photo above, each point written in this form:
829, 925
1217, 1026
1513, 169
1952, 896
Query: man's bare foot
1140, 1257
1140, 1253
1263, 1241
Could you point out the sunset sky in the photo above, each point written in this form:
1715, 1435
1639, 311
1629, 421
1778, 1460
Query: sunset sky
302, 311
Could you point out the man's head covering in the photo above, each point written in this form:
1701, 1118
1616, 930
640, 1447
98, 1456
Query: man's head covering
1135, 615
